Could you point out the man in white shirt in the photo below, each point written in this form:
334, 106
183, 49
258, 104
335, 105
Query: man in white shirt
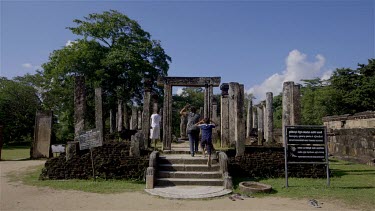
155, 127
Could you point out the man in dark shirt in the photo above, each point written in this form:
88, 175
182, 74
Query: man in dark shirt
206, 128
191, 128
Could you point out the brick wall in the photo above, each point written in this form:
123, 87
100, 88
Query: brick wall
352, 137
111, 161
259, 161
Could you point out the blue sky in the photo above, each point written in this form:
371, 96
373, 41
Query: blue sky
257, 43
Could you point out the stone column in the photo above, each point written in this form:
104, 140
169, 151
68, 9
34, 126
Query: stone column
210, 99
183, 123
215, 119
255, 117
224, 123
206, 101
139, 124
240, 122
99, 112
134, 119
126, 117
112, 121
146, 112
233, 95
263, 103
291, 105
167, 117
269, 117
119, 116
296, 105
260, 124
42, 135
79, 105
249, 118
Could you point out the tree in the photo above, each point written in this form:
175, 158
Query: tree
114, 52
18, 105
354, 89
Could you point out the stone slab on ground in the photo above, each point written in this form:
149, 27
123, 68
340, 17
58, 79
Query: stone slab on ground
189, 192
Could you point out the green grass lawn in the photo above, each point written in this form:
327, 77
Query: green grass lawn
15, 152
31, 177
351, 184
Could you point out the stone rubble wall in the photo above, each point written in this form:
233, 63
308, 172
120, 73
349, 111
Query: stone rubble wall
352, 137
269, 162
111, 161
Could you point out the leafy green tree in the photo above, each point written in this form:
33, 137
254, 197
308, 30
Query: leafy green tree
18, 105
277, 110
354, 89
114, 53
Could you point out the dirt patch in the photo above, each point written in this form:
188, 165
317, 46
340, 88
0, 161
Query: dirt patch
17, 196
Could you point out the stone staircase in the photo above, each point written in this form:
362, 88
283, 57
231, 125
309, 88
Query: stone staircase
176, 174
182, 169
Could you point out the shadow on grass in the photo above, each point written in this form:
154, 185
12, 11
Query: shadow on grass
7, 147
340, 173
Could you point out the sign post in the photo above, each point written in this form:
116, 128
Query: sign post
306, 145
88, 140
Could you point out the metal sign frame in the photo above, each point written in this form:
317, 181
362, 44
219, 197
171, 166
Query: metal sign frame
307, 143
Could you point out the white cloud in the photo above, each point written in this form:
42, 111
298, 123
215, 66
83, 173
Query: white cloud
69, 43
179, 91
326, 75
297, 68
27, 65
30, 66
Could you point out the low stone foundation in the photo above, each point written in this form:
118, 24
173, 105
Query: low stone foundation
260, 161
111, 161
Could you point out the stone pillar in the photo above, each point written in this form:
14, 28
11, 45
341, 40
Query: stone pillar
79, 105
224, 123
206, 101
269, 117
240, 122
183, 124
260, 124
126, 117
167, 117
210, 101
119, 116
263, 103
249, 118
134, 119
255, 117
291, 105
99, 124
112, 121
146, 111
42, 135
215, 119
139, 124
233, 95
296, 105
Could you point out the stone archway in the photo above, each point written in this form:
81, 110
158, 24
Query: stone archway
168, 82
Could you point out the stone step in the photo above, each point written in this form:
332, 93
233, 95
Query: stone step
184, 160
189, 174
184, 181
188, 167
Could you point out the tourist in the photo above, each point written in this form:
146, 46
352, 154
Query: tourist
191, 128
155, 127
206, 141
